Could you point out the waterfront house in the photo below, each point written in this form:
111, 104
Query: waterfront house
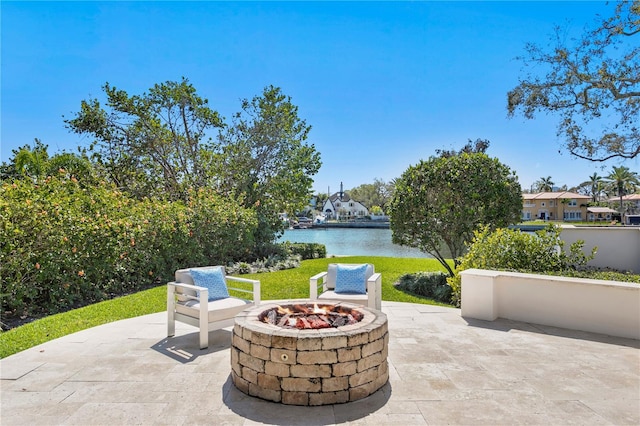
630, 208
562, 205
341, 206
596, 214
631, 203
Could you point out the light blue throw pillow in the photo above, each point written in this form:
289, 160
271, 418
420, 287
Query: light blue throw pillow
213, 279
351, 279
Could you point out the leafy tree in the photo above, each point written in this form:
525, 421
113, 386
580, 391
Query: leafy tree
593, 85
150, 144
442, 201
265, 161
622, 181
8, 172
377, 193
158, 144
376, 210
477, 146
320, 199
545, 184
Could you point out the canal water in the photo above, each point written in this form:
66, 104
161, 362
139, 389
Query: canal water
352, 241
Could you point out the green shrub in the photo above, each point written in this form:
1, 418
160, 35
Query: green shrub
64, 245
306, 250
239, 268
277, 257
270, 264
428, 284
512, 250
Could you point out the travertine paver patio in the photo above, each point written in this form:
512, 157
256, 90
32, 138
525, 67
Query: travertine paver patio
443, 370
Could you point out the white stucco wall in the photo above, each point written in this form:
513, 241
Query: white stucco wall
618, 247
607, 307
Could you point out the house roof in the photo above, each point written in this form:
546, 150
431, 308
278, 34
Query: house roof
345, 199
601, 210
629, 197
555, 196
336, 197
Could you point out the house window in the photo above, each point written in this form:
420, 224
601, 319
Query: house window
573, 203
544, 204
572, 215
337, 204
350, 204
551, 203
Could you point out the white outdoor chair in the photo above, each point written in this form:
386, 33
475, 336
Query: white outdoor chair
333, 289
188, 303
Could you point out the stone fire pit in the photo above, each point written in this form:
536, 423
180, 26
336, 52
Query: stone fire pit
309, 366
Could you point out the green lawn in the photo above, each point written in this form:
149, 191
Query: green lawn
287, 284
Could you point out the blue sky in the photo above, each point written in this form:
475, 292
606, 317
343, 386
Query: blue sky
383, 84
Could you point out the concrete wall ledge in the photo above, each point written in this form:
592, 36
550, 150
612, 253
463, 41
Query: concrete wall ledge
598, 306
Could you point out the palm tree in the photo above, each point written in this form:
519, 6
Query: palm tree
545, 184
622, 181
595, 181
32, 162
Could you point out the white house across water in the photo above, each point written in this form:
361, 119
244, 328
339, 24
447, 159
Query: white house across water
341, 206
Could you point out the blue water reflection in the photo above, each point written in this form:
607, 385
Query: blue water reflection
352, 242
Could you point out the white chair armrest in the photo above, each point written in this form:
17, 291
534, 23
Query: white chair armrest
375, 279
192, 291
374, 290
317, 276
239, 279
313, 284
254, 283
187, 286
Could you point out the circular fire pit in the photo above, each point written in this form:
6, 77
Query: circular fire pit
315, 365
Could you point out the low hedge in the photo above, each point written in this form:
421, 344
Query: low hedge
306, 250
63, 244
427, 284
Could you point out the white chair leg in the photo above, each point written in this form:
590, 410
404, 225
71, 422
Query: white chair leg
204, 337
171, 325
171, 311
204, 320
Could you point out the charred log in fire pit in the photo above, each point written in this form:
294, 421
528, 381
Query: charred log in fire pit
306, 316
